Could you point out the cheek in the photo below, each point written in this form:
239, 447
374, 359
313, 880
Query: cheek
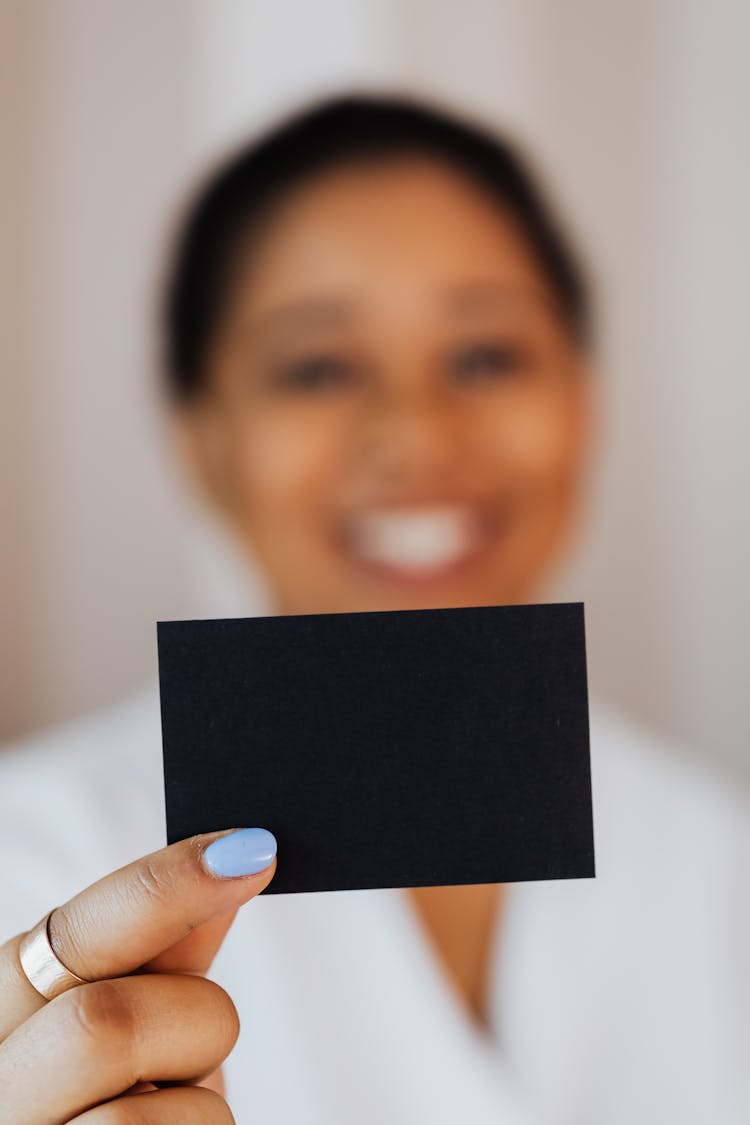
536, 445
286, 466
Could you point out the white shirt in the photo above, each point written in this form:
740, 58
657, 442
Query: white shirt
623, 1000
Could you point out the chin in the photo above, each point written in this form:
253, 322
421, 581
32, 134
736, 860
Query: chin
358, 594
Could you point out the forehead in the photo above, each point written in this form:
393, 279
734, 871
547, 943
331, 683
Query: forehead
385, 230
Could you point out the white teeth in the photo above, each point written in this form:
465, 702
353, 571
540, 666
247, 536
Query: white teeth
416, 540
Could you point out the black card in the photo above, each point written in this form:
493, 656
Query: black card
412, 748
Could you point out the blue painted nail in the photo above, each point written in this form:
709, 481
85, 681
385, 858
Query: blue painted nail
245, 852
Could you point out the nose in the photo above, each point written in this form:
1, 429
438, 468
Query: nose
411, 436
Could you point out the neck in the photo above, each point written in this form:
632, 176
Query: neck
461, 925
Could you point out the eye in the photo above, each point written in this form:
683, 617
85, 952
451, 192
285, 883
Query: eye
484, 360
315, 374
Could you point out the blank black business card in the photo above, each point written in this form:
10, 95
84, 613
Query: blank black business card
409, 748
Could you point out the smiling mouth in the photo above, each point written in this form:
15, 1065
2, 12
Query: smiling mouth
413, 544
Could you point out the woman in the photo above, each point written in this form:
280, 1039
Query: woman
377, 353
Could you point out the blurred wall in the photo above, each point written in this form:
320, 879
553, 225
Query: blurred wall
635, 114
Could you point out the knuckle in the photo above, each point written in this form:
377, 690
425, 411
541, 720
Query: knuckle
193, 1106
133, 1110
211, 1108
226, 1010
128, 1112
67, 937
155, 880
102, 1011
123, 1111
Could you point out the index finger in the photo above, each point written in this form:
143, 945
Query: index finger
133, 915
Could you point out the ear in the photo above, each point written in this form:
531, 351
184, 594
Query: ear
198, 437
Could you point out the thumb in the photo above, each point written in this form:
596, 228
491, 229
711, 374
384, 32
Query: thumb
195, 952
170, 908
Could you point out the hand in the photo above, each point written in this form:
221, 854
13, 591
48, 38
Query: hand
142, 936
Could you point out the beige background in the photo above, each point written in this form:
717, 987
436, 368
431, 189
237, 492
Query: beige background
636, 112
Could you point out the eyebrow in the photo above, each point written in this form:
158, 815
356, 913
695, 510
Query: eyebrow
309, 313
473, 295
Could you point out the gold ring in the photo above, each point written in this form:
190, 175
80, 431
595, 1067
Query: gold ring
41, 965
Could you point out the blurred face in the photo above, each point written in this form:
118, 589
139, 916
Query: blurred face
394, 414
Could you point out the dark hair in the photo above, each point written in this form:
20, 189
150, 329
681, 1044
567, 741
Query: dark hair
337, 132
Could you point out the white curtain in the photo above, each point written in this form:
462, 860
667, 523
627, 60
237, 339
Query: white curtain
635, 113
